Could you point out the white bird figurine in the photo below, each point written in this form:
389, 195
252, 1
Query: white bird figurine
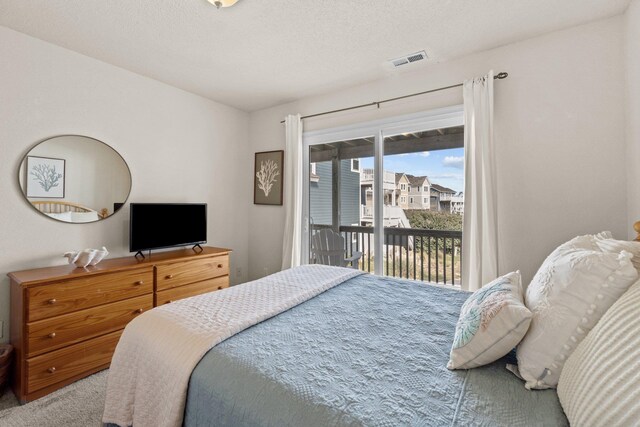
86, 257
99, 256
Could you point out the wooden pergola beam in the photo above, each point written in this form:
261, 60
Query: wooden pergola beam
414, 145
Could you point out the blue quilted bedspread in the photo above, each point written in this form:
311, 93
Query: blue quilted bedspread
372, 351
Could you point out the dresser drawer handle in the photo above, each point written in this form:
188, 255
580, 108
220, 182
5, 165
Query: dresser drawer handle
219, 265
52, 301
51, 370
52, 335
139, 282
169, 276
139, 310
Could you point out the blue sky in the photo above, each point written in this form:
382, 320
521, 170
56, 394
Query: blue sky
444, 167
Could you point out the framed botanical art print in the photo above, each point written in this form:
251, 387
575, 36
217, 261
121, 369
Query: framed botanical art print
45, 177
268, 177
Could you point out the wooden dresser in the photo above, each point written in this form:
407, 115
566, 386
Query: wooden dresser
66, 321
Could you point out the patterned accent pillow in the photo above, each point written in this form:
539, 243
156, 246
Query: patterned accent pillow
492, 322
570, 292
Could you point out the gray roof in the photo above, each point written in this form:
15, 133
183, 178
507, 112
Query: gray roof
442, 189
416, 181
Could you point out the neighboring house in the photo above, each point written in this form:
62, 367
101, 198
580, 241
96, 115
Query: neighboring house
366, 190
457, 204
393, 213
441, 198
321, 190
418, 192
402, 191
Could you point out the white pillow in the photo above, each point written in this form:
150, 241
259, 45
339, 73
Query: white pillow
492, 322
600, 383
570, 292
617, 246
63, 216
84, 216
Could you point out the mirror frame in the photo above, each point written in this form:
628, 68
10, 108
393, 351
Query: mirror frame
26, 199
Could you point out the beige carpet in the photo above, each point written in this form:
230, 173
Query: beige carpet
78, 404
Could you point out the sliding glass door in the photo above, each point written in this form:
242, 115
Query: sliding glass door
388, 195
340, 198
424, 209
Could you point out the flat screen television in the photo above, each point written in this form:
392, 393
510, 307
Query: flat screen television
165, 225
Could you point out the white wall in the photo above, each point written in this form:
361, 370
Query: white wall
632, 46
560, 138
179, 147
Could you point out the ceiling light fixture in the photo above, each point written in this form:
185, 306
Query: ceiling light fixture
222, 3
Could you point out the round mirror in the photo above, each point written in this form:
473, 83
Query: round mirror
73, 178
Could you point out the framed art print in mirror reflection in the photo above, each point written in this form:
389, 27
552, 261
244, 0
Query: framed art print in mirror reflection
45, 177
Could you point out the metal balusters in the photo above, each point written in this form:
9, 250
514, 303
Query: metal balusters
398, 244
415, 251
444, 259
421, 258
429, 252
437, 262
453, 261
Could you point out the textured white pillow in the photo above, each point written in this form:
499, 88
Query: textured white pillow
600, 383
63, 216
80, 217
492, 322
572, 289
617, 246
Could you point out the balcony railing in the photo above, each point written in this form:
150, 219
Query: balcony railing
410, 253
367, 175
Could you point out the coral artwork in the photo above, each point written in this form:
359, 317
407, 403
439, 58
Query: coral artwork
267, 176
46, 176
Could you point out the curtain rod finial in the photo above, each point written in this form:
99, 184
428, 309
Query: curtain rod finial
502, 75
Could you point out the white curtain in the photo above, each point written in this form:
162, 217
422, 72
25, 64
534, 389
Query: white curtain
480, 226
292, 241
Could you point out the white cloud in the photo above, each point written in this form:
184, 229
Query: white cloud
454, 162
423, 154
449, 176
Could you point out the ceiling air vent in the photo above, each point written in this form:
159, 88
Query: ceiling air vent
414, 57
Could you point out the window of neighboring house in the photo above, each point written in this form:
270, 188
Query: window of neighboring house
403, 199
410, 199
355, 165
409, 189
403, 187
425, 188
425, 200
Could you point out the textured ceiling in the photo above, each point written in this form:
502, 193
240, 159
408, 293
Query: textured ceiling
261, 53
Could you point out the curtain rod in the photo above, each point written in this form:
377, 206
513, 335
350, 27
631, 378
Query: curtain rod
499, 76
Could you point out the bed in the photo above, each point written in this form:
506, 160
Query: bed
60, 210
370, 351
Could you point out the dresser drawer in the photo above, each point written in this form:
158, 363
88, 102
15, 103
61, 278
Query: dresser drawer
84, 292
60, 365
182, 273
61, 331
210, 285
